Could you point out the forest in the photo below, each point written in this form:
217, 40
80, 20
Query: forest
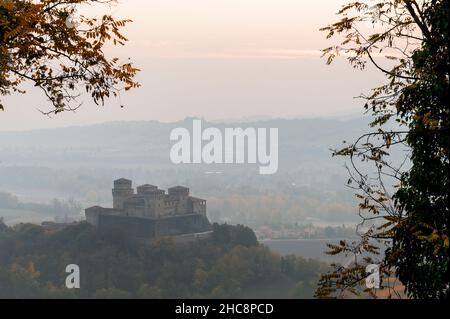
229, 264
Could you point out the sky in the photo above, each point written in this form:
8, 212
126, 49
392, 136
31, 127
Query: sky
217, 60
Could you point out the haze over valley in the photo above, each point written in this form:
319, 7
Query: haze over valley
78, 164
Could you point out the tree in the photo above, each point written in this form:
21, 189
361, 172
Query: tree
41, 43
403, 203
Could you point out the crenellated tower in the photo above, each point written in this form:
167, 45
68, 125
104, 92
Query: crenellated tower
121, 191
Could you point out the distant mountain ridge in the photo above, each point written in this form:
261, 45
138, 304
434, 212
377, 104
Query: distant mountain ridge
116, 132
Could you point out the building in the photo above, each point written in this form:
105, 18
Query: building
151, 212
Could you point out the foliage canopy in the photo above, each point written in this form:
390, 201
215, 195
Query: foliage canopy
41, 43
403, 204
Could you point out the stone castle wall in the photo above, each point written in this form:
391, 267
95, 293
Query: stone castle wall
151, 228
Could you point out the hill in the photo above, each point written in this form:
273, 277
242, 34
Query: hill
229, 264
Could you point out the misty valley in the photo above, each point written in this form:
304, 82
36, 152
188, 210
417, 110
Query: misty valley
281, 225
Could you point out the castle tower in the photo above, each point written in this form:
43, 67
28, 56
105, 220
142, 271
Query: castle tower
146, 189
180, 195
154, 199
121, 191
179, 191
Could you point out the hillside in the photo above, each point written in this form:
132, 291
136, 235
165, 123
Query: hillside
230, 264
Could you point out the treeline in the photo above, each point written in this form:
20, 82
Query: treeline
231, 263
57, 207
286, 205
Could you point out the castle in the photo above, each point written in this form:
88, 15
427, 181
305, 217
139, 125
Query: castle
150, 212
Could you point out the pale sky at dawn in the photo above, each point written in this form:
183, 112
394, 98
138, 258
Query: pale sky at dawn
218, 59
